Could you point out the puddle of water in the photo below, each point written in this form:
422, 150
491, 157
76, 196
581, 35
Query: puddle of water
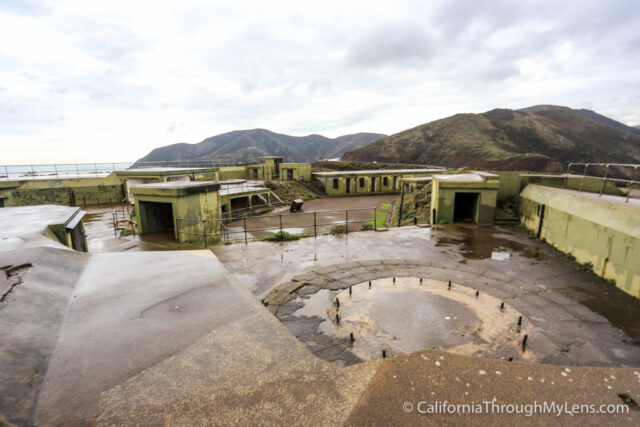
316, 305
405, 316
483, 242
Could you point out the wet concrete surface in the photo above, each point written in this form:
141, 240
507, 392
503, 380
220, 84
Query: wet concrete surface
174, 338
31, 316
536, 280
27, 226
303, 222
402, 315
98, 225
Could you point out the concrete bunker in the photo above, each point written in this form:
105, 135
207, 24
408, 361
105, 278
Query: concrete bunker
467, 197
176, 207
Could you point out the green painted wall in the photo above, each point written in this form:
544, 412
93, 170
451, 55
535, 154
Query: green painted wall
69, 192
233, 172
591, 229
301, 171
443, 199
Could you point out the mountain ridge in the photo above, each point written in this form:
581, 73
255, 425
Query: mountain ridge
538, 138
251, 144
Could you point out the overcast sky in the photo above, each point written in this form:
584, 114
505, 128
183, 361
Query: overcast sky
85, 81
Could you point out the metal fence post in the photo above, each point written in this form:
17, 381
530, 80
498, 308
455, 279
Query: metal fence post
281, 224
375, 218
315, 228
566, 175
583, 175
633, 178
246, 241
204, 232
604, 180
346, 212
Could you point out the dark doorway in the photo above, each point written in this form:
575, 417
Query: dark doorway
373, 183
465, 207
156, 217
254, 173
289, 174
239, 203
348, 185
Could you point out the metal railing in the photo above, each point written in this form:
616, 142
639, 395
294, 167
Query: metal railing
246, 228
71, 170
118, 217
605, 177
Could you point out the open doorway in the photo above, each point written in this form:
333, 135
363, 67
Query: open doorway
289, 174
156, 217
465, 207
348, 185
373, 183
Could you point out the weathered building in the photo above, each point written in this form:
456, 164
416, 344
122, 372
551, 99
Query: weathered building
464, 197
368, 181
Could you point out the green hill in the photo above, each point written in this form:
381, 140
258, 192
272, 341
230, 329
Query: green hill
540, 138
251, 144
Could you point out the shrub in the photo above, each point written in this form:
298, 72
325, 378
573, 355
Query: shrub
570, 256
281, 236
443, 221
338, 229
611, 282
522, 227
587, 266
270, 185
366, 227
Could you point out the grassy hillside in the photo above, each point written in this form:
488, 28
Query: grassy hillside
542, 138
255, 143
416, 204
353, 166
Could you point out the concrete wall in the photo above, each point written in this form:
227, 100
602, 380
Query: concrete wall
69, 192
236, 172
301, 171
592, 230
443, 200
326, 182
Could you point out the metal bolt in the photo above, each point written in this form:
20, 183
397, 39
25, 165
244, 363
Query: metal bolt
477, 294
350, 291
369, 284
337, 303
524, 341
449, 284
351, 337
394, 280
502, 306
421, 281
384, 354
520, 321
510, 359
337, 318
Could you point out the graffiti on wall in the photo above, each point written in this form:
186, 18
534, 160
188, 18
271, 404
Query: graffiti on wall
77, 196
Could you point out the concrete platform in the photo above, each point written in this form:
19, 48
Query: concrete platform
177, 338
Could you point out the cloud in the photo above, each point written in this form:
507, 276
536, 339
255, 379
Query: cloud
395, 44
86, 81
